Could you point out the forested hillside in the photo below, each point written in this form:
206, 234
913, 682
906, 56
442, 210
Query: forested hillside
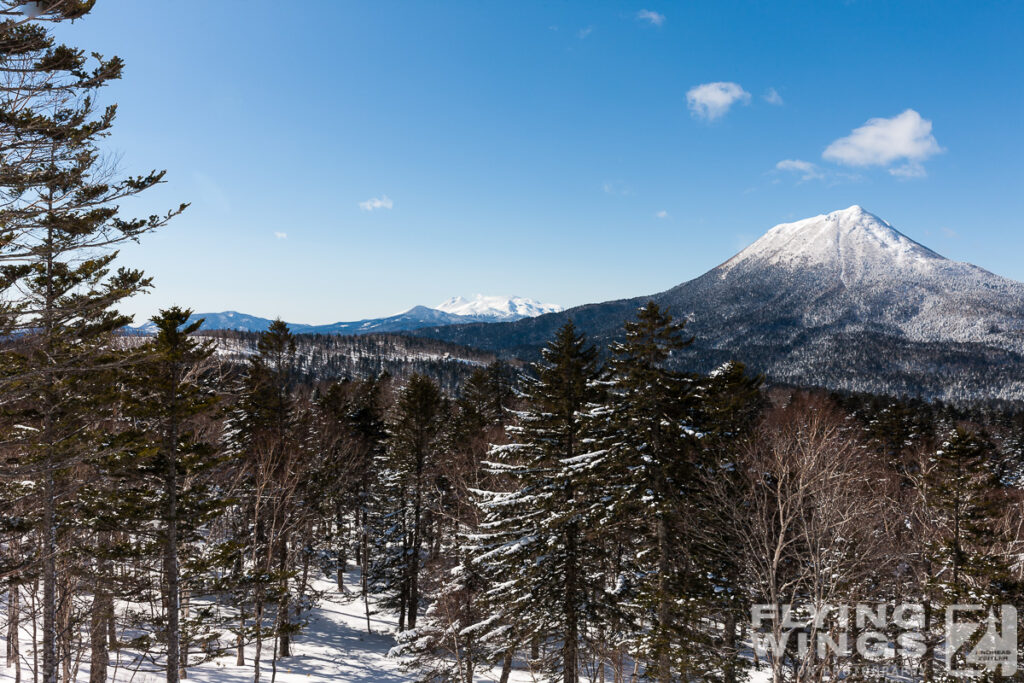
332, 357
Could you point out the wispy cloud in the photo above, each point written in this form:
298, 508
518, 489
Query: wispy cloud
772, 96
381, 202
616, 187
806, 169
905, 138
584, 32
650, 16
661, 214
281, 235
710, 101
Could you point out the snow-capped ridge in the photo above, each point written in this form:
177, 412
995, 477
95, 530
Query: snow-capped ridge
498, 307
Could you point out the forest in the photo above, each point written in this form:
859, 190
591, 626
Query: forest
597, 515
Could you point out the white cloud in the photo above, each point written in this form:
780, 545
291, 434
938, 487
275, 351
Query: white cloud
661, 214
584, 32
806, 169
381, 202
712, 100
655, 18
882, 142
773, 97
281, 235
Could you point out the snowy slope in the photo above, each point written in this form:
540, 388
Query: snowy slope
861, 243
852, 269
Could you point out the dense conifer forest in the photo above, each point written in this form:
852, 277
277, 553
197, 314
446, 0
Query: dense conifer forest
597, 515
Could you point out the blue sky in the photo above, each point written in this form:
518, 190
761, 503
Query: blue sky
567, 151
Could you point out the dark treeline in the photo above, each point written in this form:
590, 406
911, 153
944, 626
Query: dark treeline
600, 515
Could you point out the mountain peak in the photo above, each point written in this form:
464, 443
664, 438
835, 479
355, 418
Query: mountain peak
852, 241
499, 307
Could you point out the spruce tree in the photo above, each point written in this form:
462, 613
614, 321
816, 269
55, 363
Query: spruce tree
653, 443
60, 228
726, 416
409, 493
171, 402
540, 544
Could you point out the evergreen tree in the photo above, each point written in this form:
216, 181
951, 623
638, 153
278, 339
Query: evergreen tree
58, 209
411, 486
961, 493
540, 545
726, 416
171, 403
653, 446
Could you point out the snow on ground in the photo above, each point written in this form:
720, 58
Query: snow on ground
334, 647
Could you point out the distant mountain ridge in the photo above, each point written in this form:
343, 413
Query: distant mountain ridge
841, 300
454, 311
497, 307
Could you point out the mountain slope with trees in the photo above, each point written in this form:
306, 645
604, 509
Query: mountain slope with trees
841, 301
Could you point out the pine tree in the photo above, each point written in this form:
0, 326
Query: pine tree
961, 491
730, 406
171, 403
540, 545
409, 496
444, 646
60, 224
653, 446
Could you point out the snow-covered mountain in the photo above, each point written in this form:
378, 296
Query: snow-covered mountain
841, 300
454, 311
497, 307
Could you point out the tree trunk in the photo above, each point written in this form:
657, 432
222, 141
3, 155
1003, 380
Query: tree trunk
570, 645
731, 653
284, 618
240, 641
258, 619
65, 637
172, 590
365, 567
99, 619
417, 541
183, 642
35, 632
506, 666
13, 628
49, 552
664, 672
